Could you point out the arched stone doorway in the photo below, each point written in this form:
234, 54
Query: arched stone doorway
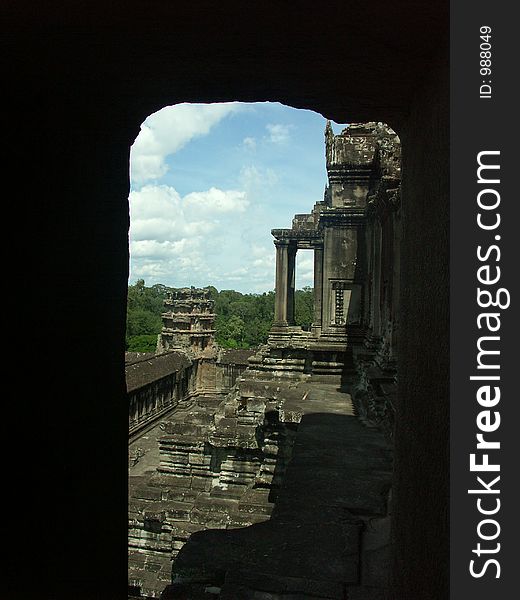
84, 82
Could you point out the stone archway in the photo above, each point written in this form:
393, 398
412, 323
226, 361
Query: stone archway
83, 83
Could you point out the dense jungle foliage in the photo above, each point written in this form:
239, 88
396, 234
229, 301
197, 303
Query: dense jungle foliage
242, 320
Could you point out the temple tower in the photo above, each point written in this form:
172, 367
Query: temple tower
354, 233
188, 322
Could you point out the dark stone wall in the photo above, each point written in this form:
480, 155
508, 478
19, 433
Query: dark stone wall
80, 79
421, 470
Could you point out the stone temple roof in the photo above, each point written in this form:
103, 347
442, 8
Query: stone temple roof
235, 356
134, 357
147, 367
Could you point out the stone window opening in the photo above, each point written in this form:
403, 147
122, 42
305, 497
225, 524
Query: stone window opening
98, 89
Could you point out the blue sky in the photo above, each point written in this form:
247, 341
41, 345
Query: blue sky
209, 182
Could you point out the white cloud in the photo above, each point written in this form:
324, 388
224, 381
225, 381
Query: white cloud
249, 143
253, 177
217, 201
154, 249
175, 237
212, 235
304, 268
167, 131
278, 133
261, 251
235, 275
144, 167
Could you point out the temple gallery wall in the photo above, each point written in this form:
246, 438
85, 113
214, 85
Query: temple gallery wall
80, 83
239, 457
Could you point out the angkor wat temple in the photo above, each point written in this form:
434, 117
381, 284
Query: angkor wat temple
267, 473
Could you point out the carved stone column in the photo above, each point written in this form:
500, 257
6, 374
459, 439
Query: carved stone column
291, 282
281, 283
318, 287
376, 280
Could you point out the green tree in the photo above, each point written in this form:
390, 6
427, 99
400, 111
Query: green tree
304, 307
142, 343
231, 332
242, 320
143, 322
144, 308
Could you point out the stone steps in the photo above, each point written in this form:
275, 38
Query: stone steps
335, 485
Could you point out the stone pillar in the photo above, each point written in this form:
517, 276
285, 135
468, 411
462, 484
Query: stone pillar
376, 280
367, 286
281, 283
396, 282
291, 282
318, 287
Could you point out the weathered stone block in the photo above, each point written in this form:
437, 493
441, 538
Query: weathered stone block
294, 415
255, 405
249, 419
148, 493
231, 477
226, 423
201, 483
184, 529
180, 458
178, 511
264, 480
181, 471
246, 432
152, 514
217, 521
253, 508
240, 521
270, 449
183, 429
229, 491
230, 410
218, 505
198, 459
178, 544
174, 481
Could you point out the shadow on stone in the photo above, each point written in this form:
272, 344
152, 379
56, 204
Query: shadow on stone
327, 533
